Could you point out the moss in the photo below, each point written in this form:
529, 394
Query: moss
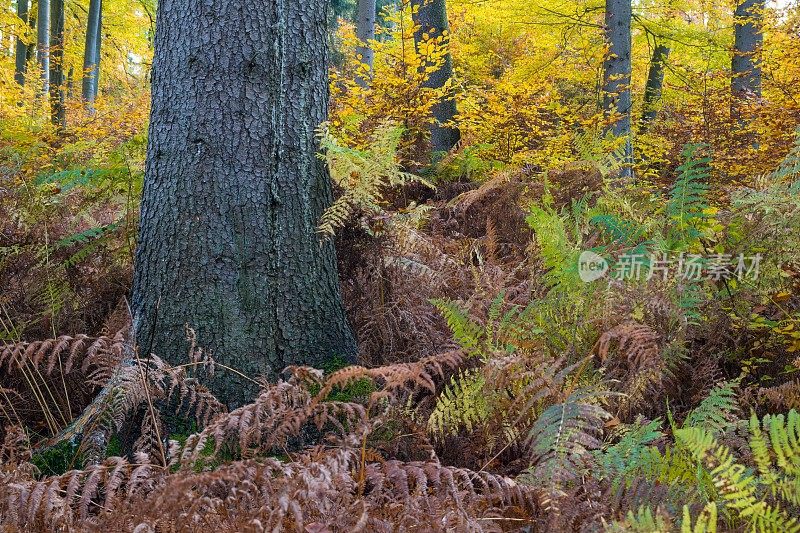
58, 460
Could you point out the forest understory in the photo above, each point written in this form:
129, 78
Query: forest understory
571, 313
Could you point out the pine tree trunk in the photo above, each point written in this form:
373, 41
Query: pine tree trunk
91, 52
617, 74
43, 43
234, 192
655, 84
58, 110
748, 38
21, 58
365, 31
431, 17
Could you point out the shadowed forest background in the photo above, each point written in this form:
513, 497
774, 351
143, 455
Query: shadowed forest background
400, 265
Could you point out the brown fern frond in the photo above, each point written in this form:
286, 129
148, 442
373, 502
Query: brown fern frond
631, 353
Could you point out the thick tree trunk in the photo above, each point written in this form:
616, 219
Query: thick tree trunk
43, 43
431, 17
655, 84
21, 58
58, 110
748, 38
365, 31
617, 74
91, 52
234, 192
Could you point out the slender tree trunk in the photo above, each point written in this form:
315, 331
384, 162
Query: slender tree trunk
431, 17
91, 52
234, 192
58, 110
365, 31
43, 43
21, 57
655, 84
748, 38
617, 74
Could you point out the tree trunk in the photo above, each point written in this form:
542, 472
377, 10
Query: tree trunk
365, 31
21, 57
748, 38
91, 52
58, 110
655, 84
431, 17
234, 192
617, 74
43, 43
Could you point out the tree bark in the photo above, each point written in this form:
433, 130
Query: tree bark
617, 74
365, 31
431, 17
234, 192
21, 58
748, 39
655, 84
91, 52
58, 110
43, 43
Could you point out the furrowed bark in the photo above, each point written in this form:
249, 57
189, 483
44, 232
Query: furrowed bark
234, 192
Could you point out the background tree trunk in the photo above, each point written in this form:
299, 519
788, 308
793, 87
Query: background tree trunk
617, 74
431, 17
43, 43
91, 52
21, 58
58, 110
234, 192
365, 31
748, 38
655, 84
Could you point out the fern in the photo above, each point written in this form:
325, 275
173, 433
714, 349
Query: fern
718, 412
738, 489
687, 199
462, 404
364, 175
706, 522
469, 335
563, 436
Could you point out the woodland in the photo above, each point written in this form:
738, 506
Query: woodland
330, 266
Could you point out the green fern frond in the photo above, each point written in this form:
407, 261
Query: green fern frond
363, 174
706, 521
687, 199
467, 333
718, 412
461, 405
737, 487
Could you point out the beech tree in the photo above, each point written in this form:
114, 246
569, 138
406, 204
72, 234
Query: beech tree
655, 85
365, 31
58, 110
91, 52
21, 53
43, 42
748, 39
431, 17
617, 73
234, 192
